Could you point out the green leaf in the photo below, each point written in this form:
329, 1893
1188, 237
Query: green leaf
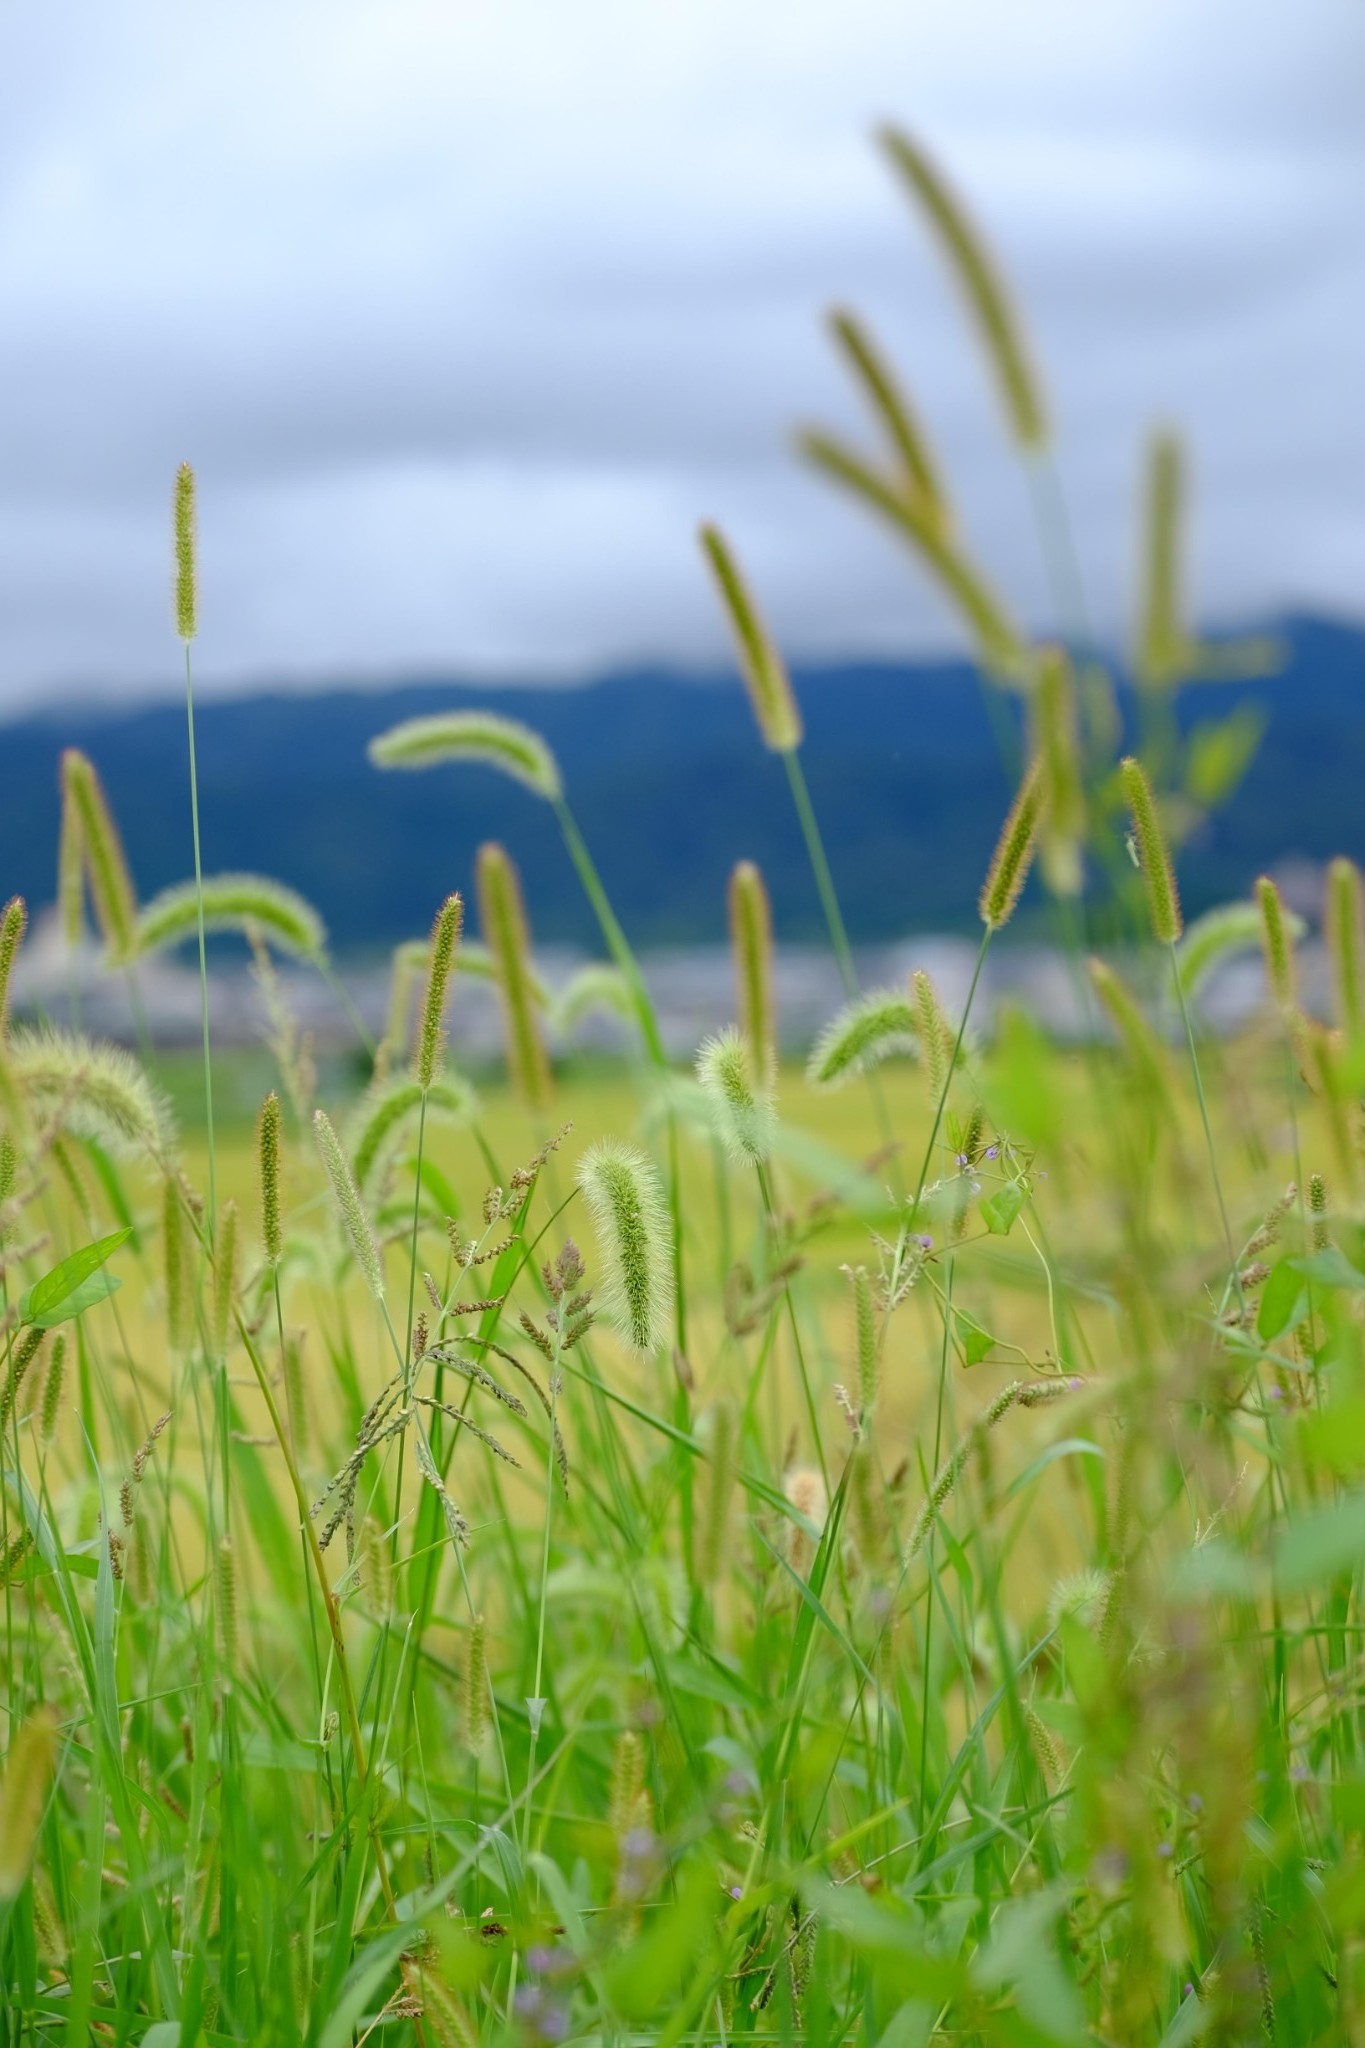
1329, 1268
976, 1343
1335, 1436
999, 1210
1284, 1302
1317, 1546
97, 1288
64, 1292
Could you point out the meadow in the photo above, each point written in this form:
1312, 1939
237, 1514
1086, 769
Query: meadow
849, 1543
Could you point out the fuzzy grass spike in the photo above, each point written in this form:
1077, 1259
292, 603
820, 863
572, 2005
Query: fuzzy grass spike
1154, 854
503, 917
349, 1206
763, 669
742, 1110
445, 937
471, 736
623, 1191
751, 948
232, 903
982, 284
870, 1029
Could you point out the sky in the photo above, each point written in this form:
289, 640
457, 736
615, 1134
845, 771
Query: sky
467, 312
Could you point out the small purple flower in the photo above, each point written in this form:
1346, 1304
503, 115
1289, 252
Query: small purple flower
992, 1151
963, 1160
1196, 1803
926, 1244
547, 2018
736, 1892
1164, 1850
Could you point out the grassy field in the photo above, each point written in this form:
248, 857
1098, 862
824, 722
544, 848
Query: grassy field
867, 1552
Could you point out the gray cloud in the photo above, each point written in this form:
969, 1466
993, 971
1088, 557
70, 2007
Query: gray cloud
466, 315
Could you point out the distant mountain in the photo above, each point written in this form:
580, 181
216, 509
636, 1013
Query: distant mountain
670, 784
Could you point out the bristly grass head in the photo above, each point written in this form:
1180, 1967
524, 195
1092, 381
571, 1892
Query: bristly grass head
919, 471
1013, 855
1344, 928
445, 936
186, 554
349, 1206
503, 917
1229, 929
623, 1191
935, 1035
1163, 643
111, 885
751, 946
13, 925
982, 284
763, 669
742, 1109
268, 1158
1154, 854
232, 903
859, 1037
383, 1110
1277, 945
998, 639
597, 989
24, 1787
471, 736
1057, 749
91, 1089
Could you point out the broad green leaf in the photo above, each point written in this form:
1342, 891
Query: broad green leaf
999, 1210
1329, 1268
1336, 1437
95, 1288
1317, 1546
57, 1288
1284, 1302
976, 1343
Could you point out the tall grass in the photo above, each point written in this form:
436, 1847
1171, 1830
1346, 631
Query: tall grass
737, 1597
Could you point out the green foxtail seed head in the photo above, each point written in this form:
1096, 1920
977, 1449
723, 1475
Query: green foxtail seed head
232, 903
52, 1389
981, 283
13, 924
111, 886
349, 1206
471, 736
1013, 855
24, 1788
860, 1036
229, 1639
1154, 855
999, 641
186, 555
177, 1262
503, 917
91, 1090
742, 1112
724, 1456
268, 1155
1345, 933
445, 936
628, 1802
751, 947
9, 1169
224, 1277
1145, 1053
1163, 644
763, 669
1057, 749
389, 1104
71, 872
935, 1035
919, 471
864, 1338
22, 1355
475, 1716
1221, 933
296, 1407
594, 990
1277, 944
628, 1208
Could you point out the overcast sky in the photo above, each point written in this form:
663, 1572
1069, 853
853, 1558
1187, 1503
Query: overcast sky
467, 310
